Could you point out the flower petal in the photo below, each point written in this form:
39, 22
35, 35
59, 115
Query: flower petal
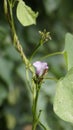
41, 67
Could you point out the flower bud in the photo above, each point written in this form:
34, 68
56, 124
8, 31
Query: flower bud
41, 68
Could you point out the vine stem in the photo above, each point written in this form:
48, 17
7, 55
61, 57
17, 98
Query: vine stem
28, 65
35, 51
53, 54
16, 41
51, 78
34, 108
42, 125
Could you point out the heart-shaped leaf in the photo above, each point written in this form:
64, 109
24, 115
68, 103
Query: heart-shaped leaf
25, 14
63, 103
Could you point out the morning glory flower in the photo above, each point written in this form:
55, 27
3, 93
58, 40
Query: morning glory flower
41, 68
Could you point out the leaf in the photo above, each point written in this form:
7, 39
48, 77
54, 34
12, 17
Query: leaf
13, 96
10, 120
3, 93
5, 70
51, 5
69, 50
63, 103
25, 14
42, 106
12, 53
21, 71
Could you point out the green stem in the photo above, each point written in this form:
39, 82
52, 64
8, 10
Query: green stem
53, 54
12, 20
42, 125
36, 48
35, 51
15, 38
50, 78
16, 41
35, 100
28, 80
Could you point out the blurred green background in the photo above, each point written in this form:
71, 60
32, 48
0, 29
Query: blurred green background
15, 107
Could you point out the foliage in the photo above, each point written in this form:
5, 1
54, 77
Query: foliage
63, 105
57, 17
29, 17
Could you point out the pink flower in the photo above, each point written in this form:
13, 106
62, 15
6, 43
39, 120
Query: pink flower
41, 68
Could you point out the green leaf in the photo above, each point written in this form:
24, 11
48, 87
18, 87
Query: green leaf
42, 106
5, 70
69, 50
22, 72
25, 14
12, 53
3, 93
51, 5
10, 120
63, 103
